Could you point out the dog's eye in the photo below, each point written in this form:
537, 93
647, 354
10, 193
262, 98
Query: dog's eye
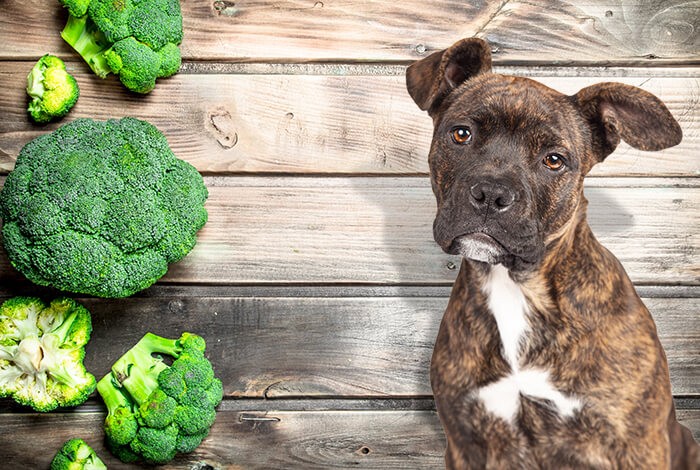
553, 161
461, 135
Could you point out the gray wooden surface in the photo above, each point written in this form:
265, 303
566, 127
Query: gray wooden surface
316, 281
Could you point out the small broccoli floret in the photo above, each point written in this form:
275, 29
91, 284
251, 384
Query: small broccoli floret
53, 91
121, 421
136, 63
76, 7
174, 405
137, 40
156, 446
100, 208
188, 443
76, 454
41, 352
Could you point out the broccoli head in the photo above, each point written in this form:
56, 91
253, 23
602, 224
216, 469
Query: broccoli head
42, 350
100, 208
51, 89
137, 40
156, 410
76, 454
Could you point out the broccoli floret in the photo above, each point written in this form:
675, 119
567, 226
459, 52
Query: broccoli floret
174, 405
42, 351
76, 454
100, 208
156, 446
137, 40
121, 421
53, 91
76, 7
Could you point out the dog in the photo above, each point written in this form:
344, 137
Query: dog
546, 357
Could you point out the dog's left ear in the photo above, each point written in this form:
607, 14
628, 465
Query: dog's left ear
616, 110
429, 80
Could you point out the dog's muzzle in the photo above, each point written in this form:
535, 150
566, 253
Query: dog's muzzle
479, 247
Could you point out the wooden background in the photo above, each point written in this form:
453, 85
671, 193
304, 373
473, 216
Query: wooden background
316, 281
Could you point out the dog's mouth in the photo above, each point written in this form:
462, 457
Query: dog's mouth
479, 246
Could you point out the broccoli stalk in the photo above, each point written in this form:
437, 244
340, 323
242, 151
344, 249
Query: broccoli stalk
52, 90
88, 41
138, 370
120, 423
174, 406
41, 352
76, 454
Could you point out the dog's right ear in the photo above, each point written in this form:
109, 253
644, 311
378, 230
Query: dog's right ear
431, 79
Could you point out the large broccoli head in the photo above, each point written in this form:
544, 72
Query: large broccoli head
138, 40
100, 208
42, 350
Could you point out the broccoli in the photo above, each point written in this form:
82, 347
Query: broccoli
76, 454
53, 91
100, 208
42, 350
137, 40
155, 410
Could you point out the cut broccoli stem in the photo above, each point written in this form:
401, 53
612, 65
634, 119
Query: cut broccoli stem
89, 42
158, 344
139, 382
120, 423
35, 83
137, 370
63, 331
112, 396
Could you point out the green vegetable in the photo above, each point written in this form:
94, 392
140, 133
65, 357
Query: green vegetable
135, 39
100, 208
155, 410
76, 454
42, 350
53, 91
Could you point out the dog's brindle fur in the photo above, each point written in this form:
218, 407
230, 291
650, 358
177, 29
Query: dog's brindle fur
497, 202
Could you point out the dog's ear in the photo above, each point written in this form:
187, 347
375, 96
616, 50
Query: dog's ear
429, 80
616, 111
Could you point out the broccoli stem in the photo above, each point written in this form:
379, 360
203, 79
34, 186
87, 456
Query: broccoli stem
158, 344
137, 370
35, 83
112, 395
62, 332
89, 42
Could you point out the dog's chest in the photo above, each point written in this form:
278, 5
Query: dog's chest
503, 397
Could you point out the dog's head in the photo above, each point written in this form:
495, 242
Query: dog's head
509, 155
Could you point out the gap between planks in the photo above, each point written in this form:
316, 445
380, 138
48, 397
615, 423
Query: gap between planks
267, 405
174, 290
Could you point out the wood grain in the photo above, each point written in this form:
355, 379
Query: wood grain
315, 124
261, 440
349, 347
378, 30
362, 346
264, 230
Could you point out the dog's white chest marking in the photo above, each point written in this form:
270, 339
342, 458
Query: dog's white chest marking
502, 398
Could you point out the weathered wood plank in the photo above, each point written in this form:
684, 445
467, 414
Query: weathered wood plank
306, 440
281, 347
240, 440
313, 124
302, 30
379, 230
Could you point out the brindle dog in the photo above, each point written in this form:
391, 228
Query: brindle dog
546, 356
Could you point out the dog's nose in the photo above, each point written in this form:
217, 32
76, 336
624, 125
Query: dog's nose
491, 194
